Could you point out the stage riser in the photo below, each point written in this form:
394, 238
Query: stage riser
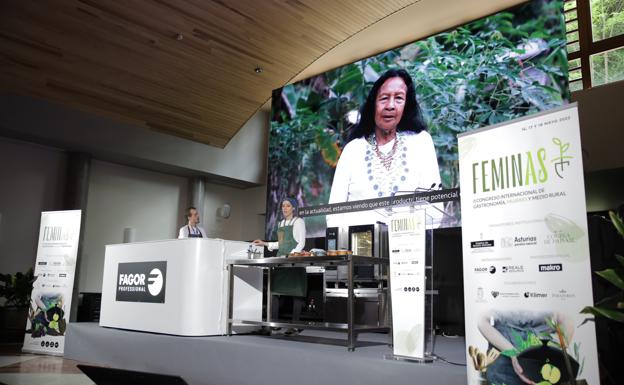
259, 360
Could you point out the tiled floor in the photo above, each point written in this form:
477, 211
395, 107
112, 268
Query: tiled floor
17, 368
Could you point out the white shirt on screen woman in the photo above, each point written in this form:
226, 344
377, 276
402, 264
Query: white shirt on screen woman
415, 165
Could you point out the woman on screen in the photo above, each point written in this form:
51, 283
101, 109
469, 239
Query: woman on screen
389, 150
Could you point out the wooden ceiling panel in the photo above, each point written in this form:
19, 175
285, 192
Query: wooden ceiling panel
182, 67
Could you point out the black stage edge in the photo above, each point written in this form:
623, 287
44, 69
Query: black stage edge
313, 357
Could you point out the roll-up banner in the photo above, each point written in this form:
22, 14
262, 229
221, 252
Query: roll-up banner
406, 236
51, 296
526, 253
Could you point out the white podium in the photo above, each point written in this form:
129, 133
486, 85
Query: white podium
177, 286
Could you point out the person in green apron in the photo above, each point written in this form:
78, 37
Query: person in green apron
289, 281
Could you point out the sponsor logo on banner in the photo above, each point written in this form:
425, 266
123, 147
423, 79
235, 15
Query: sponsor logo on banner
408, 289
513, 269
504, 294
485, 269
480, 244
399, 274
525, 240
481, 295
531, 294
141, 282
550, 267
413, 262
518, 240
507, 242
559, 238
49, 344
563, 295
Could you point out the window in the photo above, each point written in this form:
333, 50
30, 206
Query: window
595, 35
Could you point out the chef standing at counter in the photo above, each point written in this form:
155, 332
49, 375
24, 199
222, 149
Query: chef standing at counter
191, 229
291, 232
290, 281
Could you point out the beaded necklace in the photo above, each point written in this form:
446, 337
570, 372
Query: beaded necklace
386, 171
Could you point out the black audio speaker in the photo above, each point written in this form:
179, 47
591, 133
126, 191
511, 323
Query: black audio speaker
112, 376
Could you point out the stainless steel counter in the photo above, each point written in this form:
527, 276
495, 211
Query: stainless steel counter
347, 260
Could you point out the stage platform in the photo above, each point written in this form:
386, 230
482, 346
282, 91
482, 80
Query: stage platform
313, 357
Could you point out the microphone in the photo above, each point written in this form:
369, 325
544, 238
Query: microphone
423, 189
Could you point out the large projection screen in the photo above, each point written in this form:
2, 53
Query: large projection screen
501, 67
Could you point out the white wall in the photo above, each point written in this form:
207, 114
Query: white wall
31, 181
246, 221
153, 204
119, 196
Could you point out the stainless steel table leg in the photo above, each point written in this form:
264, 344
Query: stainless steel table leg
268, 295
350, 306
389, 320
230, 299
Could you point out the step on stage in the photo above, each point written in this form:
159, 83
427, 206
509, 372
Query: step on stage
313, 357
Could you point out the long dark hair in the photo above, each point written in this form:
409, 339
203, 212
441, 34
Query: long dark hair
411, 120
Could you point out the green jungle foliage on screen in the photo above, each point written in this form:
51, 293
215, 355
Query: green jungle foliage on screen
502, 67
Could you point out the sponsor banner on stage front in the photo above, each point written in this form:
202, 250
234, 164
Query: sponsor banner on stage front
51, 296
526, 252
141, 281
406, 237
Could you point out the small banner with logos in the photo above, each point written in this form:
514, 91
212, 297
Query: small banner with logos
526, 253
406, 236
51, 296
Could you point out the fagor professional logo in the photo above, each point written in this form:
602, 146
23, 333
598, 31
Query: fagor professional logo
155, 282
142, 281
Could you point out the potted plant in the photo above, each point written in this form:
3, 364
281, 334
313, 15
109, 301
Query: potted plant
15, 290
611, 307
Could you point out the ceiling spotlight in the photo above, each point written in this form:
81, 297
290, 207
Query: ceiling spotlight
179, 36
258, 70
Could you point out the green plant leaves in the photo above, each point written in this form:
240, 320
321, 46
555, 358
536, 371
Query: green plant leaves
604, 312
615, 278
612, 276
617, 222
16, 288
